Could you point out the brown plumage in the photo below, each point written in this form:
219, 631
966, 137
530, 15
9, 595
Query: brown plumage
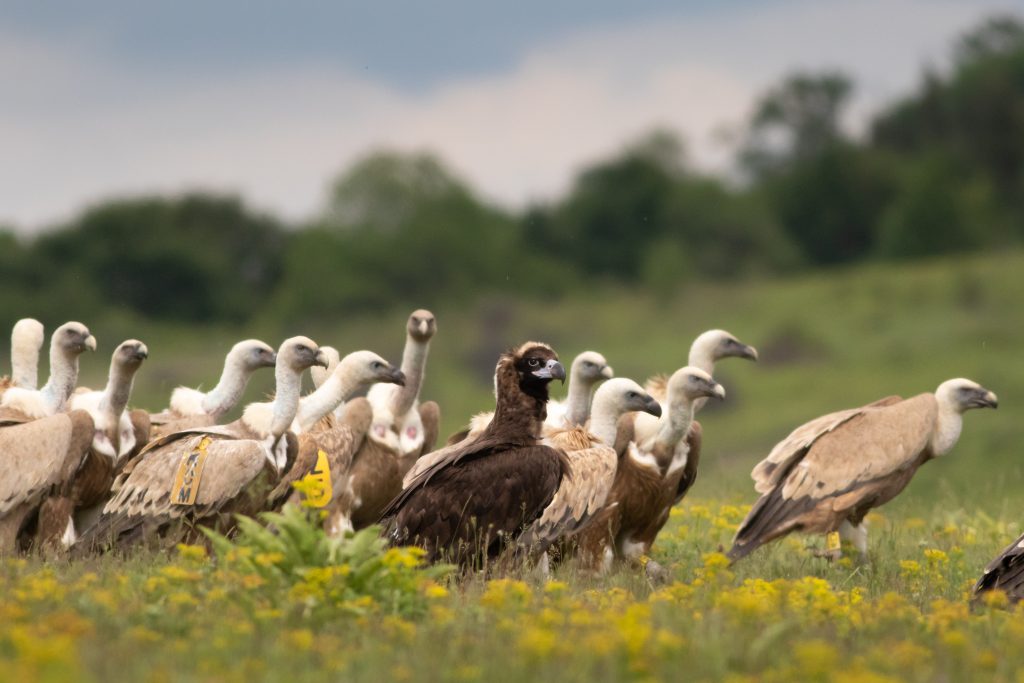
827, 474
652, 474
40, 459
244, 462
477, 497
1005, 573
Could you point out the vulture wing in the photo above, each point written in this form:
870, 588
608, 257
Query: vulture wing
694, 439
769, 472
1005, 573
40, 454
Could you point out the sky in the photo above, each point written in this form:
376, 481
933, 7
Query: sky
272, 99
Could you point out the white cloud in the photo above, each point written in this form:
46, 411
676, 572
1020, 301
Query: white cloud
80, 128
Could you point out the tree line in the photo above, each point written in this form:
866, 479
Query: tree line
939, 171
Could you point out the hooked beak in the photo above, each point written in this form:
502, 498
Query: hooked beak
90, 343
986, 399
652, 406
272, 361
141, 352
607, 372
424, 327
321, 359
552, 370
748, 352
716, 390
396, 376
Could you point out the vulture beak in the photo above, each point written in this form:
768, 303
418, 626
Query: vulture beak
749, 352
141, 352
607, 372
272, 360
424, 326
985, 399
552, 370
716, 390
396, 376
90, 343
652, 406
321, 359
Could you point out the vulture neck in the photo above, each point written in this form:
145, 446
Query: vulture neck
341, 386
286, 400
674, 424
24, 359
603, 422
115, 398
517, 414
63, 377
702, 356
577, 408
947, 429
414, 361
229, 389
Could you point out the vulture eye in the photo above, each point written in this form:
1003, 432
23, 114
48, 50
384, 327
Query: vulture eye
588, 364
632, 394
377, 365
533, 362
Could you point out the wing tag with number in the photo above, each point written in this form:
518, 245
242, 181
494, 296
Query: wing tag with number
190, 472
317, 484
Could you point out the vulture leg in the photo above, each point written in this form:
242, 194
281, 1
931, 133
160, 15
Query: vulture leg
857, 534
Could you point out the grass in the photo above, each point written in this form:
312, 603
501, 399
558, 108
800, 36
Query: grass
828, 340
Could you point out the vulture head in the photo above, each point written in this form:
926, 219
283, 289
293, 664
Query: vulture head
623, 395
719, 344
72, 339
320, 375
591, 367
531, 367
130, 354
299, 353
252, 354
365, 368
422, 325
690, 383
963, 394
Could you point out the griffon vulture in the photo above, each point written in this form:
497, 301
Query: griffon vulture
202, 476
193, 408
836, 468
402, 429
26, 340
648, 477
67, 343
480, 494
592, 463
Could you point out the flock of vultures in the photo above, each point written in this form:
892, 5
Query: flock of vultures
590, 479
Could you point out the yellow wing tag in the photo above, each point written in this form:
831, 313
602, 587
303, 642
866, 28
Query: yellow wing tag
832, 541
317, 484
190, 471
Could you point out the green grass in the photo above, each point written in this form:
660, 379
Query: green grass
828, 340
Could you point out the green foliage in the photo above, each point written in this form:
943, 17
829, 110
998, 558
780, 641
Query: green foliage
298, 563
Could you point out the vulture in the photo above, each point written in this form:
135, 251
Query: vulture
204, 475
26, 340
338, 438
119, 434
67, 343
707, 349
649, 475
193, 408
319, 374
592, 463
402, 429
480, 494
827, 474
588, 369
1005, 573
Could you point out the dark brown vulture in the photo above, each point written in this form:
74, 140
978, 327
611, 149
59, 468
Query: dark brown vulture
648, 477
1005, 573
477, 497
826, 475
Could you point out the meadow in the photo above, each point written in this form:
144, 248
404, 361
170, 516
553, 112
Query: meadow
301, 608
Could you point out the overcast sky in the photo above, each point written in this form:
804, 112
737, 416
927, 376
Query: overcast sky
271, 99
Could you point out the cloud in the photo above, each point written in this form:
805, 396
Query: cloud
82, 127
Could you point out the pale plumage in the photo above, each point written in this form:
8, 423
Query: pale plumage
67, 343
27, 339
835, 469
